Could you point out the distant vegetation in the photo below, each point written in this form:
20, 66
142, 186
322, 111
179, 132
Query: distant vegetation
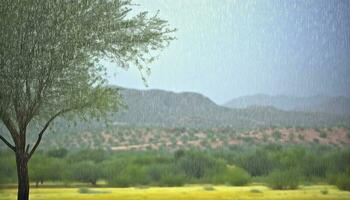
325, 104
274, 165
124, 138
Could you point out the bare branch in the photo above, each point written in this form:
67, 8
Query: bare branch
10, 126
8, 143
44, 129
27, 149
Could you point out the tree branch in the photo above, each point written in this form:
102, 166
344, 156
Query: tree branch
47, 125
44, 129
10, 126
8, 143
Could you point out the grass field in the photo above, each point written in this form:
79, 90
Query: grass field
183, 193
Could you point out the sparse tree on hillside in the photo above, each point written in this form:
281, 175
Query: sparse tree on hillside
50, 57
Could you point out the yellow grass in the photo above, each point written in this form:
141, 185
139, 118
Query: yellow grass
182, 193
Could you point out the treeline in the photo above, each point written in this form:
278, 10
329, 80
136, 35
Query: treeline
276, 166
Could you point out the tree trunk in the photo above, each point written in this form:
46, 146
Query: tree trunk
22, 176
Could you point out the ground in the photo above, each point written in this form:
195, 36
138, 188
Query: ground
184, 193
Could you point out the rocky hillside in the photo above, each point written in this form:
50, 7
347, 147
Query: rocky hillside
169, 109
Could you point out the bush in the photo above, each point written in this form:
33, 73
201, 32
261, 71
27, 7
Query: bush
43, 168
208, 188
8, 172
255, 191
156, 171
58, 153
85, 171
112, 168
173, 180
323, 134
195, 165
314, 166
332, 179
94, 155
121, 181
257, 164
343, 182
324, 191
283, 180
233, 176
276, 135
238, 176
132, 175
84, 190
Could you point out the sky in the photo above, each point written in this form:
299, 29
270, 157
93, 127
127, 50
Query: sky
226, 48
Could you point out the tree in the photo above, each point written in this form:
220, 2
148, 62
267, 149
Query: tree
85, 171
43, 168
50, 55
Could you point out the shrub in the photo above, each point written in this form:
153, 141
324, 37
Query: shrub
58, 153
323, 134
324, 191
46, 169
301, 137
85, 171
276, 135
332, 179
121, 181
208, 188
94, 155
255, 191
112, 168
237, 176
257, 164
195, 165
7, 168
132, 175
283, 180
314, 166
84, 190
173, 180
233, 176
157, 171
179, 154
343, 182
291, 136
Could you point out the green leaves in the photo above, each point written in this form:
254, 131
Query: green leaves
50, 55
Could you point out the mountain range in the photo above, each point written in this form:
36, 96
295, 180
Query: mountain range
188, 109
325, 104
164, 109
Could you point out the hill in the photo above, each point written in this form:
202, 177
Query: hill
155, 118
169, 109
334, 105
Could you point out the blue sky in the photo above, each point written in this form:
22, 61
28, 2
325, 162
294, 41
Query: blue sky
227, 48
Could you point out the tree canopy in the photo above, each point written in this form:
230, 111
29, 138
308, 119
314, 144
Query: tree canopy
50, 57
50, 63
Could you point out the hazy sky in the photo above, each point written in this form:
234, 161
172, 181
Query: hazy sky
228, 48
